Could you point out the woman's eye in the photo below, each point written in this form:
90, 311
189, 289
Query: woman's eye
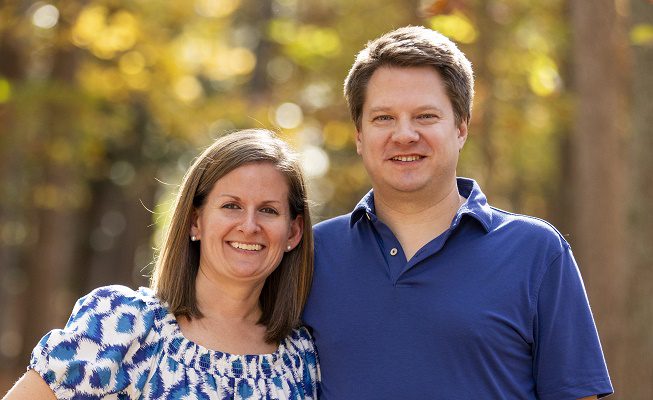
231, 206
269, 210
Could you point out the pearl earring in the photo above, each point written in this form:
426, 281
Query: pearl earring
289, 248
193, 238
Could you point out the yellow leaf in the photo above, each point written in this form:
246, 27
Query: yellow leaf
642, 35
455, 26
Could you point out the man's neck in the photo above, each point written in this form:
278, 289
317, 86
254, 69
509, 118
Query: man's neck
418, 218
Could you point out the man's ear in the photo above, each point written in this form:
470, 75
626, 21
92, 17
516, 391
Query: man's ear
462, 135
359, 142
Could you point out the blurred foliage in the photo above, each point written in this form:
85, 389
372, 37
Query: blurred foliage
105, 101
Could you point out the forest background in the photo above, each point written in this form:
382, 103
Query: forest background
104, 104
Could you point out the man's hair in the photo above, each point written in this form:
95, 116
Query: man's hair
413, 46
285, 291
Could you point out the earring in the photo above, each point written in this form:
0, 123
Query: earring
289, 248
193, 238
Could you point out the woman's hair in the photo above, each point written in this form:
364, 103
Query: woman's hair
285, 291
413, 46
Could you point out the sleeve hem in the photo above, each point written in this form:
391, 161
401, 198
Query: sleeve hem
600, 388
56, 388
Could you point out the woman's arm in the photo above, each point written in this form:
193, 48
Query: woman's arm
30, 386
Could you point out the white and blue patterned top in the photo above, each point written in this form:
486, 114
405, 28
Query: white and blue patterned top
125, 344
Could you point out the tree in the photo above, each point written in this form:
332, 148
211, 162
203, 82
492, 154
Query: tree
638, 373
598, 171
99, 99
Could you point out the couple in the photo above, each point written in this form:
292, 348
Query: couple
424, 291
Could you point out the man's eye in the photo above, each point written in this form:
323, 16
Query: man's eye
269, 210
382, 118
427, 116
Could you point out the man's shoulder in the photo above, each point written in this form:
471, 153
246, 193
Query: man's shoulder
526, 227
333, 233
333, 224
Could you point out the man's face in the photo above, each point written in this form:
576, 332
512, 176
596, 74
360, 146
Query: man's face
408, 138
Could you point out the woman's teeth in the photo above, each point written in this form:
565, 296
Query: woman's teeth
245, 246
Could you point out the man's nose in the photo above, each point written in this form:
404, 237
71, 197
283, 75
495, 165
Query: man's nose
405, 131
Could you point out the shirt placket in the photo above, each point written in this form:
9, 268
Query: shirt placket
393, 253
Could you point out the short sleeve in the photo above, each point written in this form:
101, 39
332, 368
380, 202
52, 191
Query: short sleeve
102, 349
568, 360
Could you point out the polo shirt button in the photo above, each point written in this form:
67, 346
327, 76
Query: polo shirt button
393, 252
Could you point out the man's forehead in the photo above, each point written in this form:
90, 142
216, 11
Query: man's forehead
419, 88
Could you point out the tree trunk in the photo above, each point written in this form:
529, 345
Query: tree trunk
638, 373
13, 224
487, 114
56, 216
599, 168
117, 220
260, 14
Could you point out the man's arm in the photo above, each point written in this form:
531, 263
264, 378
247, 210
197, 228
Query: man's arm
30, 386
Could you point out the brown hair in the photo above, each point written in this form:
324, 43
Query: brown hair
413, 46
285, 291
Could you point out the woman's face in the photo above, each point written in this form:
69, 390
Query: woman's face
244, 226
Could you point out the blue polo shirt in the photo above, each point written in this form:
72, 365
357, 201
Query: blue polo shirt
493, 308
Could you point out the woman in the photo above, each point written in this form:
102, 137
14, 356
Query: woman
220, 320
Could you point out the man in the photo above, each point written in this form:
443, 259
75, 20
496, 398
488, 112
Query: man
424, 291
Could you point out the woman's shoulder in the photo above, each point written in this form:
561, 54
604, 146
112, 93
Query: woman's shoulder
118, 302
302, 334
300, 341
112, 328
114, 295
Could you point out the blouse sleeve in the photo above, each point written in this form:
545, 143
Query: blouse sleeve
102, 349
311, 373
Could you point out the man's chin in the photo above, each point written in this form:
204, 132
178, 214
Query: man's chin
403, 187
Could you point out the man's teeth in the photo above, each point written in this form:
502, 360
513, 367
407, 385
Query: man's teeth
406, 158
245, 246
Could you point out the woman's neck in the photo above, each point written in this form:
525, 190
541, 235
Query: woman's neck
236, 302
230, 318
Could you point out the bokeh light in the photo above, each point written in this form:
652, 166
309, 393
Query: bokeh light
188, 88
45, 16
288, 115
315, 161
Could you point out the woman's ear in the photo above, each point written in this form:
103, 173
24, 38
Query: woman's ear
296, 232
195, 228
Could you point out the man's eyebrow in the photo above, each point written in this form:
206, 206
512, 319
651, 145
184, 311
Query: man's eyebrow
420, 108
379, 108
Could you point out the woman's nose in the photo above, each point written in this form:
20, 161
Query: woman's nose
249, 224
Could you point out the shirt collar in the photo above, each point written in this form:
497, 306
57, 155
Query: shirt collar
476, 205
364, 206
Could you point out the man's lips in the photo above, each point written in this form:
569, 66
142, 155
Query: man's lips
409, 158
